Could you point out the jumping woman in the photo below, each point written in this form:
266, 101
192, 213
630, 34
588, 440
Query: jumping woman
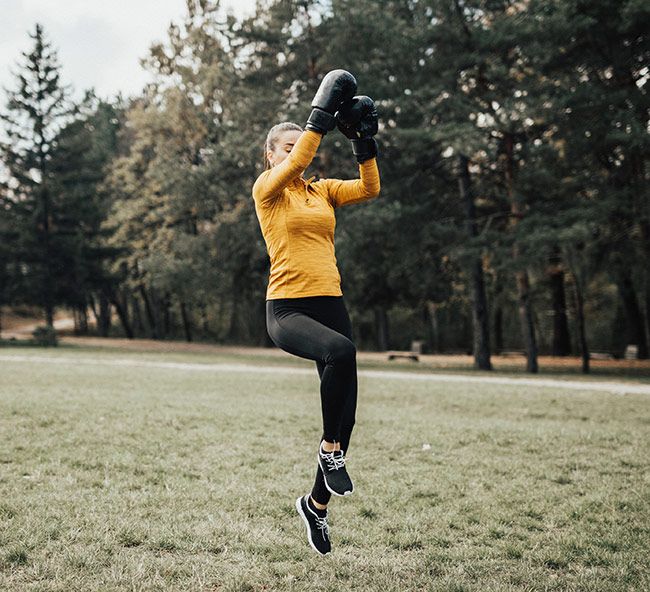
305, 312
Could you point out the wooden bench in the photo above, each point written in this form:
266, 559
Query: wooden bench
414, 354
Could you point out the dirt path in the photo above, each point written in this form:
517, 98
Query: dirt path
17, 328
618, 388
511, 362
21, 327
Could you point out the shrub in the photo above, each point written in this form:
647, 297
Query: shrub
45, 335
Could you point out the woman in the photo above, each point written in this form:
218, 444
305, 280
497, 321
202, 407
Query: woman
305, 312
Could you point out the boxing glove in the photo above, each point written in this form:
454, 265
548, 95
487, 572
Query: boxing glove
358, 120
364, 149
337, 86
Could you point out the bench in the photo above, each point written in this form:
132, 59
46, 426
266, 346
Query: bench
414, 354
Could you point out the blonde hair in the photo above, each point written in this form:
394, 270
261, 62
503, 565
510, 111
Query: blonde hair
272, 138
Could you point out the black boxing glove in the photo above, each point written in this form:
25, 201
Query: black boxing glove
336, 87
358, 120
364, 149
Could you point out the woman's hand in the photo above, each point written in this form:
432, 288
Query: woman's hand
337, 87
358, 120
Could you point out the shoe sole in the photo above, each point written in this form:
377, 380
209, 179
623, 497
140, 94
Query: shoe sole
304, 519
349, 492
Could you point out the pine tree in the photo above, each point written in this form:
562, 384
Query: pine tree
35, 113
596, 107
82, 152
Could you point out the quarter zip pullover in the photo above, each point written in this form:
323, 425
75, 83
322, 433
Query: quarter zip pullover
297, 221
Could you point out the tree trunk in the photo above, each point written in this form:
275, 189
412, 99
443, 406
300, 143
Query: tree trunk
48, 288
498, 329
205, 325
186, 322
83, 319
381, 324
526, 321
580, 314
647, 308
523, 283
480, 320
49, 307
497, 317
137, 315
642, 197
561, 340
645, 235
104, 314
635, 323
122, 312
80, 318
151, 317
434, 329
480, 316
167, 319
123, 296
233, 328
93, 307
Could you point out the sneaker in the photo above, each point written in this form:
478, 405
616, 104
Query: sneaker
318, 533
336, 477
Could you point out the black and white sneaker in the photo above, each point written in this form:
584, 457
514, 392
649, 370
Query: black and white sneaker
318, 533
336, 477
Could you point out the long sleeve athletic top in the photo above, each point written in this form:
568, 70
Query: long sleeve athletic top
297, 220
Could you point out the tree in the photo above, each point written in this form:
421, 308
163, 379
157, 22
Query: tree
480, 316
79, 159
35, 114
599, 71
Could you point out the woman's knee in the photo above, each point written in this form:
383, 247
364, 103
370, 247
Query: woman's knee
342, 351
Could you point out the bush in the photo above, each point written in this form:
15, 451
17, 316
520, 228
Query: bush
45, 335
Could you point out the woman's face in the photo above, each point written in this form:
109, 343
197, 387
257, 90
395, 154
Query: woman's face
283, 145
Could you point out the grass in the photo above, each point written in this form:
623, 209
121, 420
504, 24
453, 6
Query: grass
144, 479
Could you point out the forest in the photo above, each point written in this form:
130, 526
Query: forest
514, 213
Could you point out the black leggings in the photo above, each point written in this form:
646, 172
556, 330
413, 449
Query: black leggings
318, 328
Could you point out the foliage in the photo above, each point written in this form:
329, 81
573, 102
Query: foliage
547, 100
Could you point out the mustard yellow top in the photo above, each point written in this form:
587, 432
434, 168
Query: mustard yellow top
297, 220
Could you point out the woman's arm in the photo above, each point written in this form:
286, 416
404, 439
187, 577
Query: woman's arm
343, 193
272, 181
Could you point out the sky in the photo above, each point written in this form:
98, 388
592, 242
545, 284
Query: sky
99, 42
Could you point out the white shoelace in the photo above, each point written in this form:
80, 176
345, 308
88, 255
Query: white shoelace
321, 524
333, 462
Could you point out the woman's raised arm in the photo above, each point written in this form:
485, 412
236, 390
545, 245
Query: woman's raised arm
343, 193
337, 87
272, 181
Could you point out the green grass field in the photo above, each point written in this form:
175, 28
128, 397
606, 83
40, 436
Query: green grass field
142, 478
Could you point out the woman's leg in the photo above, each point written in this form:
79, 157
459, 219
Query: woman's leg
320, 493
336, 317
291, 327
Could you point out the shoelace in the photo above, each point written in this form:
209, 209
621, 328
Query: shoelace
321, 524
333, 462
